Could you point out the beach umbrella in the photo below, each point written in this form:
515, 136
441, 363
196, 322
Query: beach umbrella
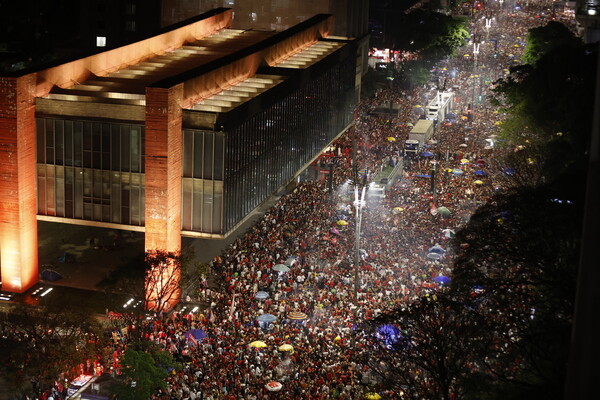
281, 268
261, 295
426, 154
457, 171
341, 222
266, 318
258, 344
443, 211
50, 275
449, 233
273, 386
436, 249
372, 396
478, 182
480, 172
391, 139
293, 260
434, 256
286, 347
297, 315
464, 161
442, 280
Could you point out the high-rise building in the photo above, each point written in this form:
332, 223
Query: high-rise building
182, 133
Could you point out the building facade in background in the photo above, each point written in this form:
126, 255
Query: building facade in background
183, 133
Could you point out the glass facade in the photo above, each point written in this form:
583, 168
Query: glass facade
90, 170
203, 166
265, 151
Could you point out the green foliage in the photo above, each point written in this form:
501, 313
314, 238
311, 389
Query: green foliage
545, 39
145, 371
550, 103
45, 341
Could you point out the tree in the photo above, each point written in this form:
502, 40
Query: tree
42, 342
145, 370
545, 39
441, 338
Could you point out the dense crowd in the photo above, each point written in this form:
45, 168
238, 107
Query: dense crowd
312, 233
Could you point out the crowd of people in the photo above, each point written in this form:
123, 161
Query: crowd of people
293, 278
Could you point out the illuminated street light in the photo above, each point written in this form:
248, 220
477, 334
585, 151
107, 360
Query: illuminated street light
359, 203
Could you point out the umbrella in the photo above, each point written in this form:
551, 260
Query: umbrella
442, 280
341, 222
436, 249
273, 386
397, 210
432, 141
443, 211
258, 344
418, 106
463, 145
297, 315
434, 256
450, 116
266, 318
449, 233
464, 161
423, 176
410, 125
480, 172
286, 347
293, 260
50, 275
508, 171
457, 171
391, 139
426, 154
261, 295
281, 268
478, 182
372, 396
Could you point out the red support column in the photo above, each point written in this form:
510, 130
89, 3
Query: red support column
163, 175
18, 209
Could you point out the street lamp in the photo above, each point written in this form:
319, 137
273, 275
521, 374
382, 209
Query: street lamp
476, 50
488, 25
359, 203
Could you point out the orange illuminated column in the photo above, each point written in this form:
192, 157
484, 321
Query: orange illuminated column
163, 178
18, 224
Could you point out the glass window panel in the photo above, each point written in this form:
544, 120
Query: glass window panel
198, 149
125, 150
59, 146
59, 190
208, 155
68, 142
115, 147
219, 154
207, 206
186, 203
197, 205
50, 190
116, 197
217, 220
188, 152
135, 148
97, 184
40, 140
134, 207
69, 188
41, 189
77, 143
49, 141
106, 146
78, 195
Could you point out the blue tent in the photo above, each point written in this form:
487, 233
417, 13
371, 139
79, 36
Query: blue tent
195, 335
50, 275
